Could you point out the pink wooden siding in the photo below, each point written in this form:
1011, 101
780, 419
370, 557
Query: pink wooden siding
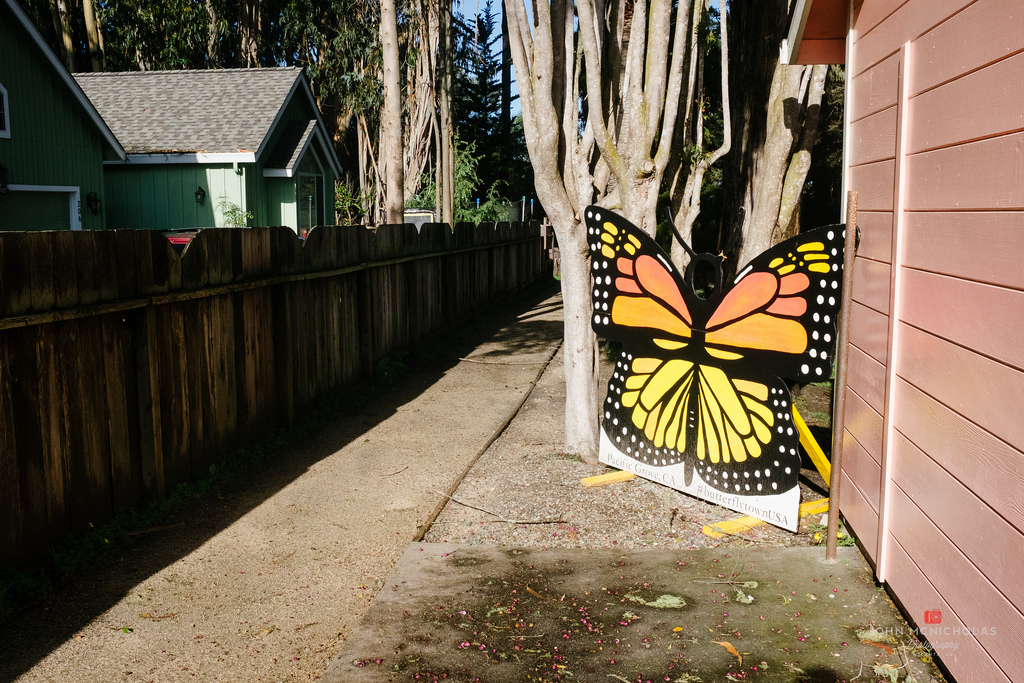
933, 437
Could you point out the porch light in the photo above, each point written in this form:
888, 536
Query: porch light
200, 195
92, 200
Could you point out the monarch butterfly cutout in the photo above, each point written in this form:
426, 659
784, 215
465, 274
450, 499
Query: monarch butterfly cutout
697, 400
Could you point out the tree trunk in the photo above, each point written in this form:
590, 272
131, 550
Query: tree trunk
505, 124
212, 36
249, 31
580, 351
774, 122
391, 116
62, 27
421, 99
446, 128
94, 37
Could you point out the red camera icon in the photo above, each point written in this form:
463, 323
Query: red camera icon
933, 616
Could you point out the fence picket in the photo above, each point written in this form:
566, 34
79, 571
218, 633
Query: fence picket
126, 369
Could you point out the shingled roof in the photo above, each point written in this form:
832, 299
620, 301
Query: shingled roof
217, 111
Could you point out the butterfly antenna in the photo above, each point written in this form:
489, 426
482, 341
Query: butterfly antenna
679, 238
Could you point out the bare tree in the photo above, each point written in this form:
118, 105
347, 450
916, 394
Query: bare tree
775, 124
445, 161
691, 161
609, 144
421, 95
391, 115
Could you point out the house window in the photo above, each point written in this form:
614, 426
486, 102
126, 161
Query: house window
310, 199
5, 114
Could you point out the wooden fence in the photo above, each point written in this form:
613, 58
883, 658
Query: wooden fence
126, 369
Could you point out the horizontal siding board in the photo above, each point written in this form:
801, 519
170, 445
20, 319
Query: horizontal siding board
862, 470
868, 14
874, 90
964, 657
979, 388
975, 601
888, 32
992, 544
875, 235
866, 376
864, 424
982, 246
862, 520
873, 138
978, 175
941, 304
874, 185
869, 331
939, 117
983, 463
984, 32
871, 284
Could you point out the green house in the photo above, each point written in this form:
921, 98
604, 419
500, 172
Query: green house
215, 148
53, 142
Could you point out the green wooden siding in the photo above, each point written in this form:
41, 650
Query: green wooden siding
281, 202
53, 141
35, 211
162, 196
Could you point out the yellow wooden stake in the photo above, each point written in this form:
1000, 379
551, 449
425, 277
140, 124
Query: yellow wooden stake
740, 524
610, 478
812, 447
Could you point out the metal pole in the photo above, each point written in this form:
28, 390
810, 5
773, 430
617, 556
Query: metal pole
839, 387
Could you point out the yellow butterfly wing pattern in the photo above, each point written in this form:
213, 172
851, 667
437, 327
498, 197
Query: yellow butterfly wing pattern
663, 412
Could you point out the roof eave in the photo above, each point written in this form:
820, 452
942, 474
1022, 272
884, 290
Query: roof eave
290, 171
300, 82
817, 33
187, 158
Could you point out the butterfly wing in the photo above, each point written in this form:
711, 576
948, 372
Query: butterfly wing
698, 386
737, 433
779, 315
638, 293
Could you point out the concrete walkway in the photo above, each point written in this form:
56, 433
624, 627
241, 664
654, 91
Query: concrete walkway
312, 570
269, 586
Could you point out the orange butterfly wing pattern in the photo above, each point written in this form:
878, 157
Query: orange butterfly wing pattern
699, 385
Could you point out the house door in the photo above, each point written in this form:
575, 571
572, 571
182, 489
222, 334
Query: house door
310, 201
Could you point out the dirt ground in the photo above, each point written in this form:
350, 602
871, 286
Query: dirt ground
264, 582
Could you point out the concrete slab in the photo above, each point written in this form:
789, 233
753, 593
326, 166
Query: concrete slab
497, 614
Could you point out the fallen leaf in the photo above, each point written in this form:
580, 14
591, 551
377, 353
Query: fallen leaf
533, 592
884, 647
732, 650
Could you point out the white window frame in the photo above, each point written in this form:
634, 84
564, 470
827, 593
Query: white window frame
5, 108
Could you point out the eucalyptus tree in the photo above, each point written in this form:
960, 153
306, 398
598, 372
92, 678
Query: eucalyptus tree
391, 116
